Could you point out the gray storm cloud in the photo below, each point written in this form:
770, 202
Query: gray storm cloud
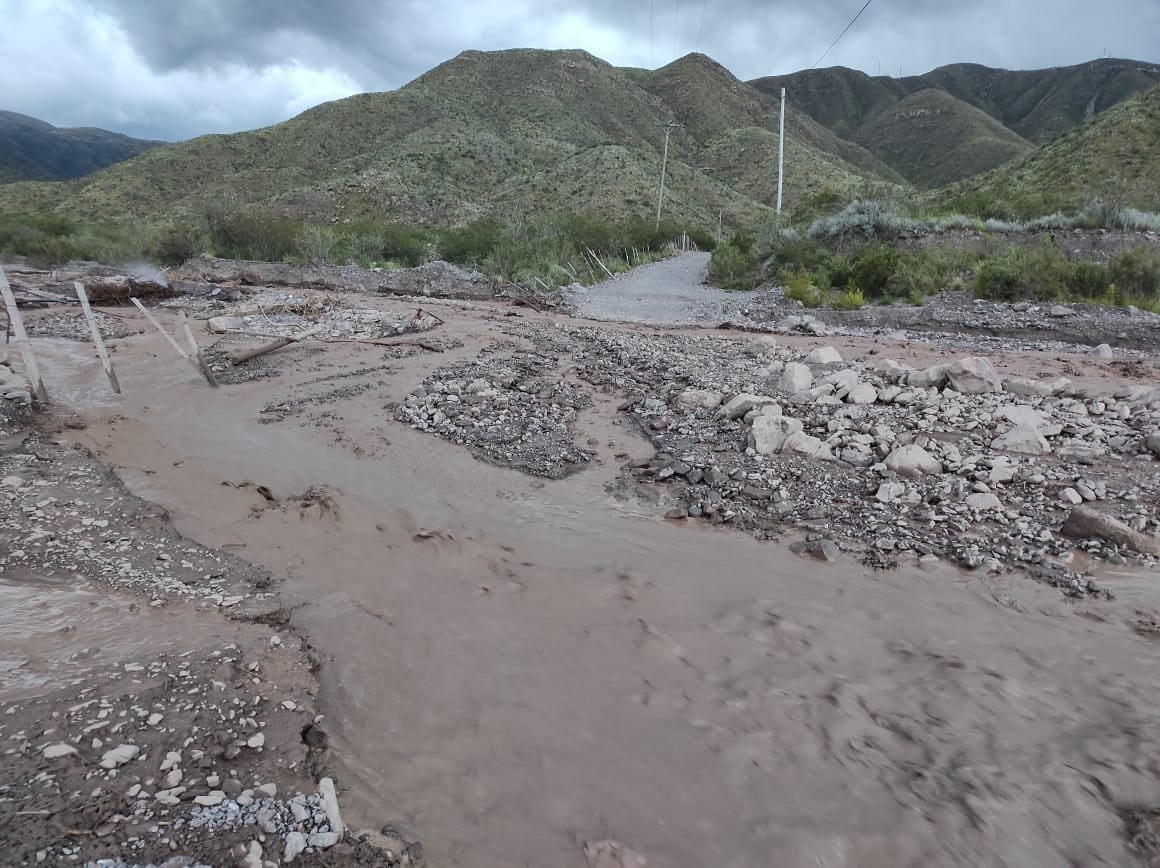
177, 68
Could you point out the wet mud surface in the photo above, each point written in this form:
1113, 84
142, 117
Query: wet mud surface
512, 667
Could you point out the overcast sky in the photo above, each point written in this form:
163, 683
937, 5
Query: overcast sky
174, 69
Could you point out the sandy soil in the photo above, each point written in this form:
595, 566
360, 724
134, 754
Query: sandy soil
513, 667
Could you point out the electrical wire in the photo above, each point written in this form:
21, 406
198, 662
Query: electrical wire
701, 26
840, 35
676, 26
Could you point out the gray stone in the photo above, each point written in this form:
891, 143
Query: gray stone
742, 404
56, 751
819, 549
324, 840
1028, 388
295, 844
1070, 495
330, 805
1104, 351
889, 369
890, 492
913, 461
769, 433
1002, 470
120, 755
1023, 440
1152, 442
933, 377
699, 399
862, 393
763, 344
825, 356
974, 376
1085, 522
796, 378
807, 446
983, 500
1060, 310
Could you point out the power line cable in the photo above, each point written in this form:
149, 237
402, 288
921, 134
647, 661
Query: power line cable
840, 35
701, 26
676, 26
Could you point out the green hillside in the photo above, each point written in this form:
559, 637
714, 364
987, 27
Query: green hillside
500, 133
32, 150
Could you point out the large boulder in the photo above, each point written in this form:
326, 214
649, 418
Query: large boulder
769, 433
699, 399
862, 393
1152, 442
807, 446
1084, 522
913, 461
1023, 440
933, 377
974, 376
742, 404
825, 356
796, 378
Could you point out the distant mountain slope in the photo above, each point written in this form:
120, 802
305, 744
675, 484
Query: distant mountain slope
508, 132
1036, 105
1113, 155
32, 150
934, 139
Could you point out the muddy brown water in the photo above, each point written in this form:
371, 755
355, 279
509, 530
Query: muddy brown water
544, 665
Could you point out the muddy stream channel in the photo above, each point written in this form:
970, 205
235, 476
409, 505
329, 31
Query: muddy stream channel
513, 666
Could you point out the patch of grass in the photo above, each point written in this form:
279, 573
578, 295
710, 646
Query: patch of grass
851, 299
800, 286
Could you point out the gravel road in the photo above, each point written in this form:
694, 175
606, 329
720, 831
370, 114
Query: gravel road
671, 292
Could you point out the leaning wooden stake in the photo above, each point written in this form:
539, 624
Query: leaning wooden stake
202, 364
20, 338
176, 346
97, 339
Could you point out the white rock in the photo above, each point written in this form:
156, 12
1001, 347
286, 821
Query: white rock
1104, 351
862, 393
220, 324
253, 857
889, 492
1027, 388
1070, 495
267, 791
324, 840
56, 751
796, 378
120, 755
983, 500
171, 759
295, 844
807, 446
742, 404
172, 779
913, 461
933, 377
1002, 470
256, 740
699, 399
825, 356
1025, 441
1152, 443
769, 433
330, 805
208, 801
11, 482
1060, 310
763, 344
890, 369
974, 376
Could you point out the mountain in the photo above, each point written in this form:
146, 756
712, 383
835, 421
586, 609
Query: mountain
1112, 156
1034, 106
504, 133
934, 139
31, 149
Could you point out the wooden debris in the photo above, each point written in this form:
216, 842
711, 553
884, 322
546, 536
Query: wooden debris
120, 288
246, 355
176, 346
196, 350
20, 338
106, 362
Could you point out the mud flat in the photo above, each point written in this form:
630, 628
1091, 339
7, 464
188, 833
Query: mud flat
516, 656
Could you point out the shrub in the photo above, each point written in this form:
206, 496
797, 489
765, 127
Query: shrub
471, 244
999, 279
252, 235
872, 268
1136, 275
316, 244
799, 286
406, 245
178, 244
732, 268
851, 299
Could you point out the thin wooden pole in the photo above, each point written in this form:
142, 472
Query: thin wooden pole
95, 330
201, 362
20, 338
176, 346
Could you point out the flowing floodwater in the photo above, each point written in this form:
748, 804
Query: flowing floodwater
514, 666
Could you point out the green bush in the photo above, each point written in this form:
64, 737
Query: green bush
1136, 275
177, 244
1000, 280
731, 267
404, 244
471, 244
851, 299
872, 267
799, 286
253, 235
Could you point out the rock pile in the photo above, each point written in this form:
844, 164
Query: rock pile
948, 461
507, 408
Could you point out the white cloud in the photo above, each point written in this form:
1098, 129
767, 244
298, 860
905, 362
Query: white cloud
178, 68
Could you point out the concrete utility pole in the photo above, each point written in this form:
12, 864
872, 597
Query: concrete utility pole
781, 152
668, 128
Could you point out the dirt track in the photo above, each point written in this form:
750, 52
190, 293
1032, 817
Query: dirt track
513, 666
